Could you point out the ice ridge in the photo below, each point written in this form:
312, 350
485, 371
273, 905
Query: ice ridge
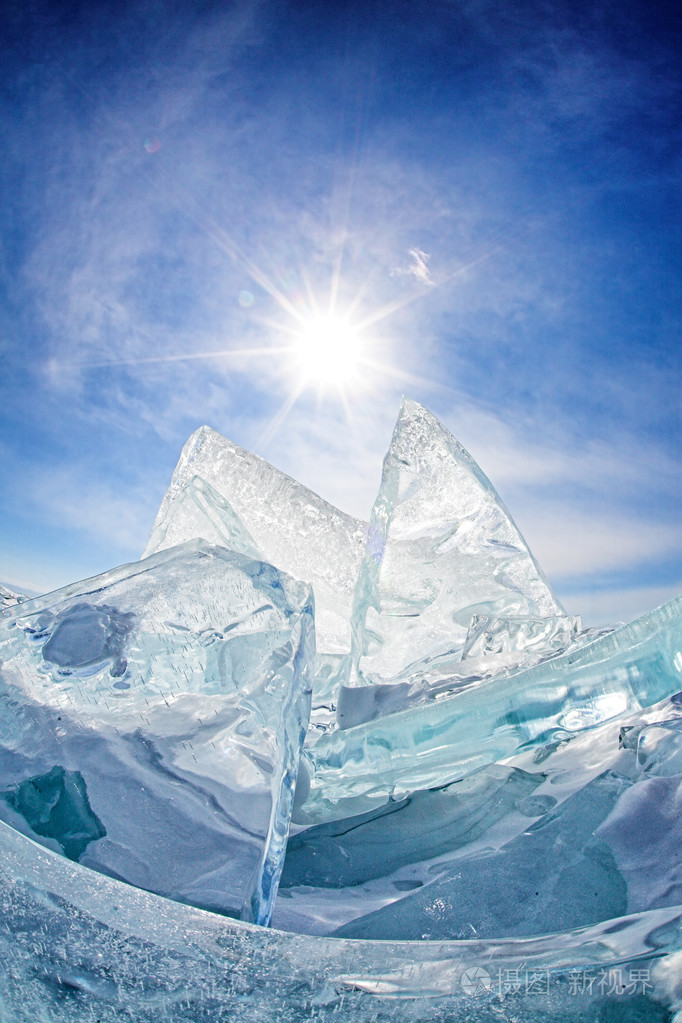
475, 813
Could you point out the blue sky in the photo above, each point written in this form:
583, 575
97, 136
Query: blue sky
490, 190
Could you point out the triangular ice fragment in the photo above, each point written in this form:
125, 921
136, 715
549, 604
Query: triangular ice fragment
293, 528
151, 721
195, 511
441, 548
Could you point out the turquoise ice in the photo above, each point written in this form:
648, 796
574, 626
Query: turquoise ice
151, 722
431, 743
486, 814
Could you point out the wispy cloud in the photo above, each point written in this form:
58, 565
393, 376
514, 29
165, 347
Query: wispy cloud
531, 172
74, 499
532, 454
574, 543
418, 267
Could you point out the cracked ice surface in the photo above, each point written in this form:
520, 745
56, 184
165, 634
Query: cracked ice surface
77, 945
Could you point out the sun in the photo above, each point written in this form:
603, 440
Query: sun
328, 351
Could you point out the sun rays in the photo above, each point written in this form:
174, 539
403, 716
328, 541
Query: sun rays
306, 328
329, 339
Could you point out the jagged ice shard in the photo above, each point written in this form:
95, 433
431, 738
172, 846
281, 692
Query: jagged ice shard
356, 769
291, 526
441, 549
486, 818
196, 509
151, 721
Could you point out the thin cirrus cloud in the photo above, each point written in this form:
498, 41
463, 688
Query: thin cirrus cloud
488, 196
418, 267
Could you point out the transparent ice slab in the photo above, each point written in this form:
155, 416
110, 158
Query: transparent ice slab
604, 842
493, 647
357, 769
293, 528
79, 947
509, 849
197, 510
441, 548
151, 721
509, 641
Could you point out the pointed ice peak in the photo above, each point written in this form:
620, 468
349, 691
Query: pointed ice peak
425, 445
291, 526
441, 548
